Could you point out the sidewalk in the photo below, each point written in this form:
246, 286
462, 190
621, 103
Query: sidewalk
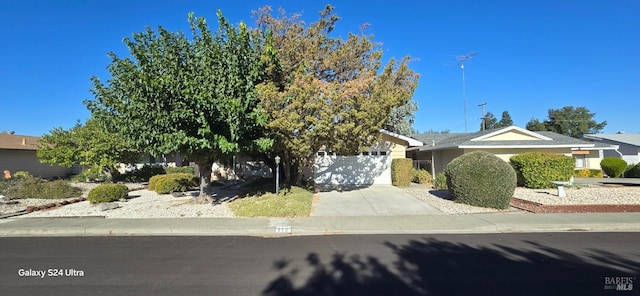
281, 227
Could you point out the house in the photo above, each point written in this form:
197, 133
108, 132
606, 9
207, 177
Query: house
505, 142
629, 145
18, 153
368, 168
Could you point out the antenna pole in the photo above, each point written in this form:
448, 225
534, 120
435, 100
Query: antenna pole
483, 117
462, 59
464, 97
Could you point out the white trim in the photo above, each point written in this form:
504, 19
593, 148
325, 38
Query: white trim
510, 128
411, 141
612, 147
525, 146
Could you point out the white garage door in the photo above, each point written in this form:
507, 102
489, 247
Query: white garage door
352, 170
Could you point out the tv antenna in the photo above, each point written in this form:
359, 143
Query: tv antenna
461, 60
483, 118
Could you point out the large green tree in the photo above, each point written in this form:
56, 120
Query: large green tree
89, 144
327, 92
569, 121
193, 95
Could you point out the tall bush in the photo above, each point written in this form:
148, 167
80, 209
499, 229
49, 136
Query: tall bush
481, 179
401, 172
612, 166
536, 170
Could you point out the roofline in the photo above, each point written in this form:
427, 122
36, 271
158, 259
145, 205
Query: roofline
528, 146
594, 137
412, 142
509, 128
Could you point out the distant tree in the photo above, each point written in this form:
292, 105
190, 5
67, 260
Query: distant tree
505, 120
489, 121
401, 118
194, 96
535, 125
328, 92
569, 121
89, 144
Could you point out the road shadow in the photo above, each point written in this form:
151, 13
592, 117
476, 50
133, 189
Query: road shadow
434, 267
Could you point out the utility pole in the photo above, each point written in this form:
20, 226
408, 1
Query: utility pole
461, 60
483, 117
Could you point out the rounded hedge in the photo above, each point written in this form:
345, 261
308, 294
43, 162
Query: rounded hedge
612, 166
173, 183
108, 193
481, 179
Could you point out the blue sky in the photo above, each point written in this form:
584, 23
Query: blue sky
533, 55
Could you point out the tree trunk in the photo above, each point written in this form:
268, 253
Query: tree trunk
205, 181
287, 168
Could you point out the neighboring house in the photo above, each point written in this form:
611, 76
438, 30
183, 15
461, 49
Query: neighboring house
368, 168
440, 149
629, 145
18, 153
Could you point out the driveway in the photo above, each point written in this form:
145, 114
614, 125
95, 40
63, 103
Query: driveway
376, 200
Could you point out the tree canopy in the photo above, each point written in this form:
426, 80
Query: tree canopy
491, 122
193, 96
569, 121
329, 93
89, 144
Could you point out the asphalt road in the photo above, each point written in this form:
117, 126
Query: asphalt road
477, 264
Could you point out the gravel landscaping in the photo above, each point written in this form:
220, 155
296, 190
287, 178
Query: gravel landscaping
592, 196
142, 204
148, 204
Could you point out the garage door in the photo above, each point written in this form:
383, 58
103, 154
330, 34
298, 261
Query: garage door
352, 170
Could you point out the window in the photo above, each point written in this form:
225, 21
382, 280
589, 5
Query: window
374, 153
383, 153
321, 153
581, 161
365, 153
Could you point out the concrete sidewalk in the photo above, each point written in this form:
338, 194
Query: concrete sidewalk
279, 227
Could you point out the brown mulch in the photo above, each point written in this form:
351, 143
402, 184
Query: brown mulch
535, 207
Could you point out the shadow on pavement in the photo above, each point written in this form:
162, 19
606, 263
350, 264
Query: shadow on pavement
434, 267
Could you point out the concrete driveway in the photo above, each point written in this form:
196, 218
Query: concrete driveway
376, 200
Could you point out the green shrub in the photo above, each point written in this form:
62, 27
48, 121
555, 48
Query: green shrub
153, 181
633, 171
107, 193
481, 179
536, 170
421, 176
32, 187
440, 183
174, 183
612, 166
183, 170
401, 172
